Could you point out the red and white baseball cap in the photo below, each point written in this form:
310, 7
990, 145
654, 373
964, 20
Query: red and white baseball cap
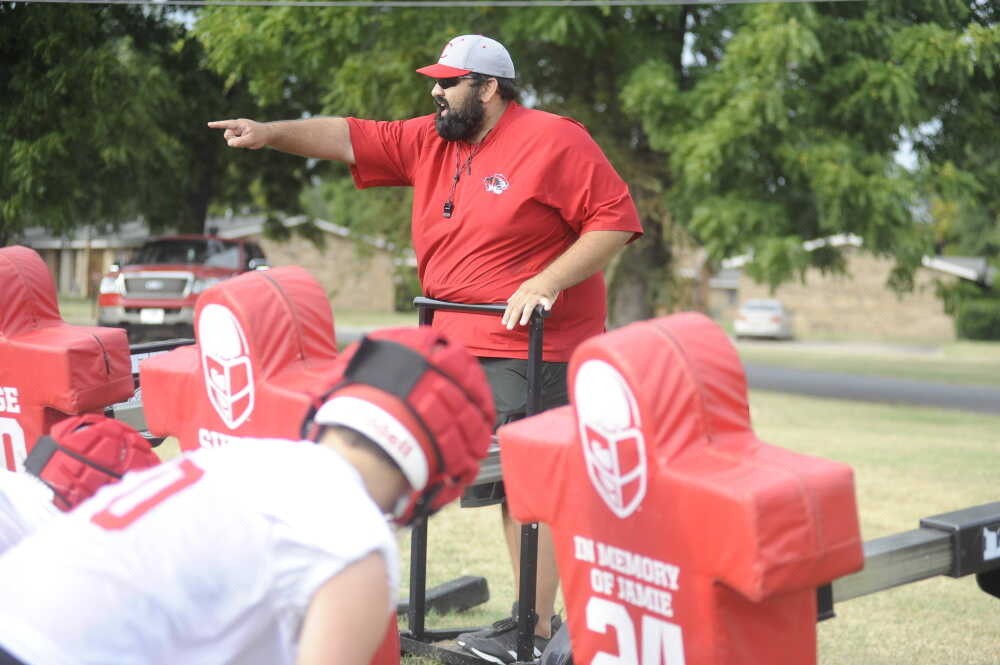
471, 53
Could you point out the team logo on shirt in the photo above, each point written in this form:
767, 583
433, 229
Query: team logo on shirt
610, 432
496, 183
225, 359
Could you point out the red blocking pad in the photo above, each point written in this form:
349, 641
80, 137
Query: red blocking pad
265, 344
49, 369
681, 538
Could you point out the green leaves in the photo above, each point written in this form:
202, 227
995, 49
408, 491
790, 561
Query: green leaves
791, 135
749, 128
94, 118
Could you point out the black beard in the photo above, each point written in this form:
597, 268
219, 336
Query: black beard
461, 124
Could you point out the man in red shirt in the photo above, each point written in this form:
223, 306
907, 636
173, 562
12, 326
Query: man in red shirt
510, 205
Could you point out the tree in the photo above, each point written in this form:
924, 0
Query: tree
792, 135
750, 128
101, 112
360, 61
69, 136
960, 161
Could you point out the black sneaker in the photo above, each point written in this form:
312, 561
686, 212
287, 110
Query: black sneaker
498, 643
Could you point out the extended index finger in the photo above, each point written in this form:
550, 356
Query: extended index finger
223, 124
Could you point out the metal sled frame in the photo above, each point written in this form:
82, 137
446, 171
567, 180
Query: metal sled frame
418, 639
956, 544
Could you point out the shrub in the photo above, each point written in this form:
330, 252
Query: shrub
978, 319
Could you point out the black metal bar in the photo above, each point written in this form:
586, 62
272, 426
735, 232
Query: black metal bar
535, 346
425, 314
418, 579
416, 608
824, 603
159, 345
430, 304
526, 594
455, 595
975, 535
529, 532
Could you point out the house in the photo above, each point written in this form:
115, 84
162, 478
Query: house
354, 278
859, 304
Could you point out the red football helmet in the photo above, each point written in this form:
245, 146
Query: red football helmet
424, 400
81, 454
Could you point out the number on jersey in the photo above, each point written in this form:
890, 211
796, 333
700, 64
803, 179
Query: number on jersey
14, 448
662, 641
167, 481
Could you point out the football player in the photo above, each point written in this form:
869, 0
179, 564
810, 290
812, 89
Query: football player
268, 550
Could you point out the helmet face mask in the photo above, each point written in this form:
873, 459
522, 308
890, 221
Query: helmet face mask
436, 392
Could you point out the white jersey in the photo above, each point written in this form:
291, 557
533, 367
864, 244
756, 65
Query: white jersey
210, 558
25, 505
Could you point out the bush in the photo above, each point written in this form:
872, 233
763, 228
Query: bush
979, 319
407, 288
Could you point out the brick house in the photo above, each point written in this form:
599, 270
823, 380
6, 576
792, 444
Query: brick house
356, 275
354, 278
858, 304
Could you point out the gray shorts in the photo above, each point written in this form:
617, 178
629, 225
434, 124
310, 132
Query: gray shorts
508, 379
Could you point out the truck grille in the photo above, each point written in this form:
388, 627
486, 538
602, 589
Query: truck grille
155, 287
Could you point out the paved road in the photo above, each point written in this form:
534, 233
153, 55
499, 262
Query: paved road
873, 388
849, 386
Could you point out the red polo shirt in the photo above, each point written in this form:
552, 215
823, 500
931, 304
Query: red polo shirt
524, 195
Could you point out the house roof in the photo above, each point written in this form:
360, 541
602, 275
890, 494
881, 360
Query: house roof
133, 233
127, 235
973, 268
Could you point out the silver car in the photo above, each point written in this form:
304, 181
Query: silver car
763, 318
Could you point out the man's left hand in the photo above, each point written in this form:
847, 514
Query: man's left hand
536, 291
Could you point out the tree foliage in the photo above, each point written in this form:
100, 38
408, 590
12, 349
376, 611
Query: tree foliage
739, 128
70, 138
751, 128
791, 136
102, 114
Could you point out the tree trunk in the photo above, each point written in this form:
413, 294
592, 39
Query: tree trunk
201, 191
640, 277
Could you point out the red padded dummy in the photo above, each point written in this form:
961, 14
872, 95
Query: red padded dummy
49, 369
265, 345
265, 350
681, 538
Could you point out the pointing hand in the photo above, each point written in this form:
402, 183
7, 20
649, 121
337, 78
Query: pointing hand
242, 133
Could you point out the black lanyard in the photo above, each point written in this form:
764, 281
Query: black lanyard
449, 205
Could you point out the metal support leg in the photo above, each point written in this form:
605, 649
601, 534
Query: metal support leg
529, 532
526, 593
418, 579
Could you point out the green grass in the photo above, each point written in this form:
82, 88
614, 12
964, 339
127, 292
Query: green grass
909, 463
975, 363
78, 311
